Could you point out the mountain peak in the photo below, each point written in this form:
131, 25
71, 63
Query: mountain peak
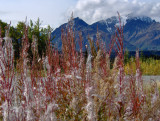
79, 21
112, 20
142, 18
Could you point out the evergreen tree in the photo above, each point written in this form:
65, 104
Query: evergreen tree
17, 33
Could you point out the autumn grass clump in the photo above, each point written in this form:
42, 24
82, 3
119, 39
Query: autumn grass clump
66, 86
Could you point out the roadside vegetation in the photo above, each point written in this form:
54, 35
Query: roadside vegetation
46, 85
149, 66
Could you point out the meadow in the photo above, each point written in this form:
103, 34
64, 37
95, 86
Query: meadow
68, 86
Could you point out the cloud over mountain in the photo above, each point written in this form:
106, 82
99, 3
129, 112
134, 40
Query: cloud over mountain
94, 10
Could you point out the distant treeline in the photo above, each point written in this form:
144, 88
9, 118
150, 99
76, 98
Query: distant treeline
143, 54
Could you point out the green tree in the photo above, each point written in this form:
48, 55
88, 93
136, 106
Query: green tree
3, 25
42, 36
126, 56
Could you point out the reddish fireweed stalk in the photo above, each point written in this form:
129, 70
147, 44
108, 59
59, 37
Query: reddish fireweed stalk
64, 78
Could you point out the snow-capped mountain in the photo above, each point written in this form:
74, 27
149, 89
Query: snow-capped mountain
139, 32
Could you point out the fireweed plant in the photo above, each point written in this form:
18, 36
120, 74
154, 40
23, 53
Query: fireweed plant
67, 86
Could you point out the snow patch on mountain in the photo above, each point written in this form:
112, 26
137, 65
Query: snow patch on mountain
142, 18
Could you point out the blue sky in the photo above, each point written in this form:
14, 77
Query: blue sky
56, 12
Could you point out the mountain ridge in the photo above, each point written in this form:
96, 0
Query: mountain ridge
139, 32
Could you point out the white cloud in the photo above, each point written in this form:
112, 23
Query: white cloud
94, 10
